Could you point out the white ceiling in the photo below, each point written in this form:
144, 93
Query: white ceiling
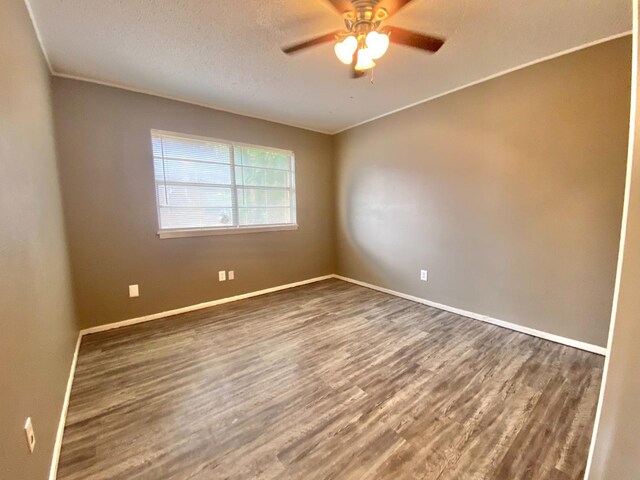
227, 54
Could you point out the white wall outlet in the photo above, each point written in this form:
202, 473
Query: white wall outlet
31, 437
424, 275
134, 291
231, 275
222, 276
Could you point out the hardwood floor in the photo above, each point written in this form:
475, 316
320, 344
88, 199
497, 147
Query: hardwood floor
327, 381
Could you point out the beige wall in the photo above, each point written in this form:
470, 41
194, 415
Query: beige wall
515, 214
509, 193
37, 326
108, 185
617, 446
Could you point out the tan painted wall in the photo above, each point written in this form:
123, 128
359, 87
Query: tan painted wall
514, 214
617, 447
508, 192
37, 326
108, 185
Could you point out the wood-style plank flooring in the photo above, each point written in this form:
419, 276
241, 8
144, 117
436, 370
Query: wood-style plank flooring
327, 381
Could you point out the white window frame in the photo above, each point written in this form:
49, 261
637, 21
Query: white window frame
232, 229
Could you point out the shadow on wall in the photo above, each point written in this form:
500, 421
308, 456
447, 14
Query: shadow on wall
368, 217
407, 205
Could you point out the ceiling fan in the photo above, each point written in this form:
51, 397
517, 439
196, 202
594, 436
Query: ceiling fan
365, 39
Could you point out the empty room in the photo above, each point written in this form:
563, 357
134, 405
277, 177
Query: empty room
320, 239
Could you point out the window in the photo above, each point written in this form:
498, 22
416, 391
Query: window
204, 186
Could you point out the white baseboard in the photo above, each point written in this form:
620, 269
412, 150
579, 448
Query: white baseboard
484, 318
465, 313
53, 472
191, 308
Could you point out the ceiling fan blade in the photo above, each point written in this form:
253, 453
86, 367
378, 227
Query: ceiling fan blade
414, 39
342, 6
391, 6
327, 37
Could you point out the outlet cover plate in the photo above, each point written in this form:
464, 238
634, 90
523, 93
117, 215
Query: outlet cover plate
424, 275
31, 436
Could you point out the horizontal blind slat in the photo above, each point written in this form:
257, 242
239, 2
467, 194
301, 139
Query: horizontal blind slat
160, 157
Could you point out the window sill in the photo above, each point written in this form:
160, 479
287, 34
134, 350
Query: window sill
201, 232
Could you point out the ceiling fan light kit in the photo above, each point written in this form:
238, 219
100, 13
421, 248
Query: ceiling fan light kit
365, 40
370, 47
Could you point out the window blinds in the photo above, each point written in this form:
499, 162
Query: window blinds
211, 184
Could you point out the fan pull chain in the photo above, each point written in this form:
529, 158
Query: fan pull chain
371, 80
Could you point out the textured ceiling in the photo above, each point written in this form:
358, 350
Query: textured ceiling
227, 54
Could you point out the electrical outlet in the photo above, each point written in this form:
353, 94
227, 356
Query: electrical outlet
222, 276
231, 275
134, 291
424, 275
31, 437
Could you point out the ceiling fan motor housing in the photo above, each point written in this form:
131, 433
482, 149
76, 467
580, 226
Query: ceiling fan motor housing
364, 18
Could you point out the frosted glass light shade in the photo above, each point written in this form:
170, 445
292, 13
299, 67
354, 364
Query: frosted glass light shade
365, 62
345, 49
377, 43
